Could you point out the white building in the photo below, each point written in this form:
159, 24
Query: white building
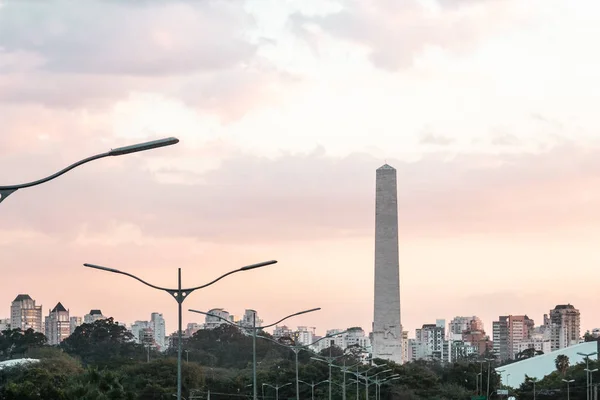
250, 319
430, 343
213, 321
74, 322
157, 323
137, 328
282, 331
192, 328
93, 316
58, 325
305, 335
24, 314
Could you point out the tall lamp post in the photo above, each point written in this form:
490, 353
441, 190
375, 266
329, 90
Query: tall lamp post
312, 387
6, 191
568, 382
254, 329
276, 387
533, 380
329, 360
383, 381
180, 294
587, 373
296, 349
488, 378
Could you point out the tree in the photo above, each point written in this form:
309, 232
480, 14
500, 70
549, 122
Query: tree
16, 343
562, 364
102, 343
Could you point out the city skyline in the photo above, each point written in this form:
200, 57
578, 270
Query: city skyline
281, 129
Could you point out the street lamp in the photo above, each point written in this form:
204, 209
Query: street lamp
374, 379
589, 372
378, 384
296, 349
180, 294
533, 380
329, 360
568, 387
588, 388
312, 387
488, 378
276, 387
254, 328
6, 191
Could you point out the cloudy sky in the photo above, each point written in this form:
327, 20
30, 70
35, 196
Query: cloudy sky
284, 109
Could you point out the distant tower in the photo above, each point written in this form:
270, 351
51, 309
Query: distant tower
387, 329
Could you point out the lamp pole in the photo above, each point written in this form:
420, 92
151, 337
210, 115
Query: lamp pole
6, 191
329, 360
180, 294
254, 329
533, 380
487, 397
312, 387
276, 387
568, 382
587, 373
296, 349
378, 384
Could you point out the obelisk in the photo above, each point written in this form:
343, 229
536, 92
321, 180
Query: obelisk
387, 329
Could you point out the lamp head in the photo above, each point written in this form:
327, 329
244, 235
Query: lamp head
154, 144
261, 264
116, 271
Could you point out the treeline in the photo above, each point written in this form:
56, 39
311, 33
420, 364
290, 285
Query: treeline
101, 361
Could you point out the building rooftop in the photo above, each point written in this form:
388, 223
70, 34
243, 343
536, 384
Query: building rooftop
22, 297
95, 312
386, 166
59, 308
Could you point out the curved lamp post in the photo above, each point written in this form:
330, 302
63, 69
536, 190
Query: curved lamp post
255, 328
568, 382
312, 387
180, 294
276, 387
379, 382
6, 191
296, 349
329, 361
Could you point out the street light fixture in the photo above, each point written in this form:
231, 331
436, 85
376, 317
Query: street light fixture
568, 387
180, 294
276, 387
254, 329
378, 384
6, 191
329, 361
588, 384
312, 387
533, 380
296, 349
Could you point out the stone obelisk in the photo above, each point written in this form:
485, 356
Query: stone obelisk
387, 329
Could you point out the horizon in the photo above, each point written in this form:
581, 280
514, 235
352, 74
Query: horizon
284, 112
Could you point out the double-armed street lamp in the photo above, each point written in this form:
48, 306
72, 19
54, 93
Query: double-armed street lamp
254, 330
296, 349
180, 294
568, 382
534, 381
385, 380
312, 387
588, 383
6, 191
276, 387
329, 361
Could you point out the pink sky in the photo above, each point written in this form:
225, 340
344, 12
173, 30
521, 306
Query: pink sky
284, 110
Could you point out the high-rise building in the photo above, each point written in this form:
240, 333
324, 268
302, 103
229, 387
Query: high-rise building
459, 325
24, 314
213, 321
304, 335
564, 326
250, 318
387, 327
58, 325
508, 332
74, 322
93, 316
157, 323
430, 343
137, 329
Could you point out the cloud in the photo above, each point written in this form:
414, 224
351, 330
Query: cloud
199, 52
153, 38
435, 139
395, 33
250, 199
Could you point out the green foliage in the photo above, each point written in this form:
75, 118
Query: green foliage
15, 343
102, 343
562, 364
